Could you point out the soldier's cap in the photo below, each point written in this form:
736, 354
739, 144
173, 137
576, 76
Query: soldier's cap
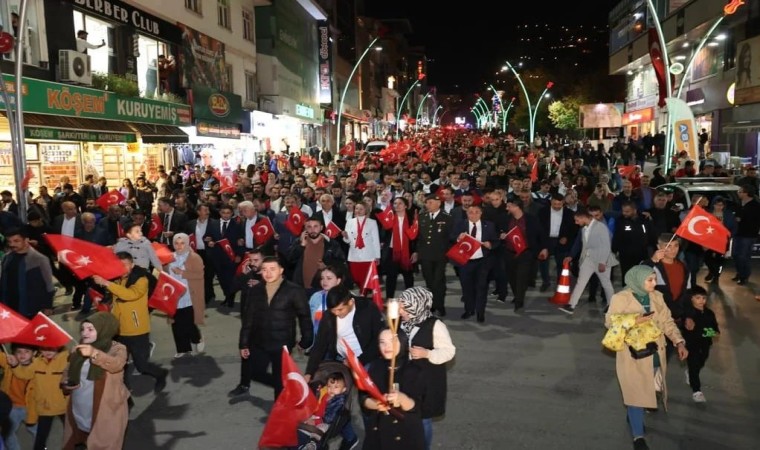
431, 197
666, 189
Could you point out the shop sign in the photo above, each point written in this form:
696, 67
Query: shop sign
217, 130
641, 116
325, 62
224, 107
58, 153
45, 97
56, 134
305, 111
143, 22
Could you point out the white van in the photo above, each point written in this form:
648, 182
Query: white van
376, 146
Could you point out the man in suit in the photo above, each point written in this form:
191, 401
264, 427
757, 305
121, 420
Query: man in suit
559, 234
227, 227
432, 245
596, 258
328, 211
173, 221
206, 232
520, 267
68, 224
473, 276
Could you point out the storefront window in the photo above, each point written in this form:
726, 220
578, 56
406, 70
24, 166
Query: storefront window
34, 15
118, 161
103, 59
148, 65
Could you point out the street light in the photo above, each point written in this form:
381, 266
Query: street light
486, 111
401, 105
477, 117
419, 111
531, 111
345, 90
440, 107
504, 117
666, 62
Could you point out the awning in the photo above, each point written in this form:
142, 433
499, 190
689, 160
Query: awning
60, 128
160, 134
746, 127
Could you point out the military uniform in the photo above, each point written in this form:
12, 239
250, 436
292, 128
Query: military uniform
432, 245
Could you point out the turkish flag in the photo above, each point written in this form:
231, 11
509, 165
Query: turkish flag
332, 231
372, 284
156, 227
625, 171
27, 177
463, 250
226, 182
386, 218
534, 172
516, 240
363, 380
295, 221
166, 294
348, 150
192, 242
295, 404
113, 197
164, 253
11, 323
241, 266
701, 227
262, 231
226, 247
97, 300
414, 229
41, 331
119, 230
85, 259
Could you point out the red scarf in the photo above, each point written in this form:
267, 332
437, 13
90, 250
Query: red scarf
360, 232
401, 254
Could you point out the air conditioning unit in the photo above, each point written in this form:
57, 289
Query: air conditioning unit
74, 67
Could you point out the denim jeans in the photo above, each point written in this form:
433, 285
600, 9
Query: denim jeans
16, 418
427, 425
636, 421
742, 254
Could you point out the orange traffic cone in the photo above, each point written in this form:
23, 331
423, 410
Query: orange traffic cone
562, 295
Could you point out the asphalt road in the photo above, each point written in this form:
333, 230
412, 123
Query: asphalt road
537, 380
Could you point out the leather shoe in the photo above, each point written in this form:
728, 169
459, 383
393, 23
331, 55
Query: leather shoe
518, 306
481, 318
467, 315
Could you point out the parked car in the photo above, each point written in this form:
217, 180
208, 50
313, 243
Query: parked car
375, 146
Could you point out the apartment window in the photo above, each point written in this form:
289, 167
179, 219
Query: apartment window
193, 5
247, 24
250, 86
223, 10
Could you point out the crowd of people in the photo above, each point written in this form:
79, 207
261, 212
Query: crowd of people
294, 245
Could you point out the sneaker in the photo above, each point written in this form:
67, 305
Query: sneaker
152, 347
239, 390
567, 309
200, 346
640, 444
686, 372
698, 397
182, 355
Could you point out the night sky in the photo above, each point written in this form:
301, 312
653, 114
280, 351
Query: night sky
465, 42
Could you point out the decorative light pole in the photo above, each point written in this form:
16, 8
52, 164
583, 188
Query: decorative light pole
401, 105
440, 107
486, 111
531, 110
666, 63
504, 117
345, 90
419, 111
477, 117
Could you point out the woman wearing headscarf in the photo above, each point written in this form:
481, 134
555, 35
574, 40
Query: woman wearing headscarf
97, 412
187, 268
430, 348
385, 431
641, 379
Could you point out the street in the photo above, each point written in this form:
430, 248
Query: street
537, 380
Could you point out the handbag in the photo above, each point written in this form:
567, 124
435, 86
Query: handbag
649, 350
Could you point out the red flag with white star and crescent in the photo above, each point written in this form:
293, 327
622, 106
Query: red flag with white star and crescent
701, 227
84, 258
41, 331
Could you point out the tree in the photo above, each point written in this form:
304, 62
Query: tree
565, 114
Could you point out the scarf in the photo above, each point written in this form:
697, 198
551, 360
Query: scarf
107, 327
417, 302
360, 222
401, 254
635, 278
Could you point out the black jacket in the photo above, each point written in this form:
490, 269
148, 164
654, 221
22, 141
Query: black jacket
367, 324
676, 305
333, 255
568, 229
269, 325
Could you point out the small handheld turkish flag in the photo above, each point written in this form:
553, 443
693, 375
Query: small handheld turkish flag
332, 231
167, 293
414, 229
363, 380
41, 331
226, 247
192, 242
463, 250
262, 231
97, 300
701, 227
84, 258
113, 197
163, 252
295, 222
156, 227
386, 218
372, 284
516, 240
11, 323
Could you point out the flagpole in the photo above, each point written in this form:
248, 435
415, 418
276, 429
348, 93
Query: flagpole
393, 322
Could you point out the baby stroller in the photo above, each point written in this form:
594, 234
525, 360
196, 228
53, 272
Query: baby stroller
322, 439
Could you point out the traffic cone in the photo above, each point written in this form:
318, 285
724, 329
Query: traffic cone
562, 295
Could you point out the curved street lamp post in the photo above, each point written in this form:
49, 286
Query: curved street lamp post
531, 110
401, 106
419, 112
345, 90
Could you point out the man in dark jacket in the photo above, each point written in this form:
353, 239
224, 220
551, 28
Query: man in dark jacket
559, 231
364, 320
26, 281
273, 309
673, 279
432, 245
313, 253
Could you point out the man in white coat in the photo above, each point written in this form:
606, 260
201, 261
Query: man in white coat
596, 258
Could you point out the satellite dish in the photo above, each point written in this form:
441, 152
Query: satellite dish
676, 68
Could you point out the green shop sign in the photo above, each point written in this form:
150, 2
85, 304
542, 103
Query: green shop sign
218, 130
217, 106
56, 134
45, 97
